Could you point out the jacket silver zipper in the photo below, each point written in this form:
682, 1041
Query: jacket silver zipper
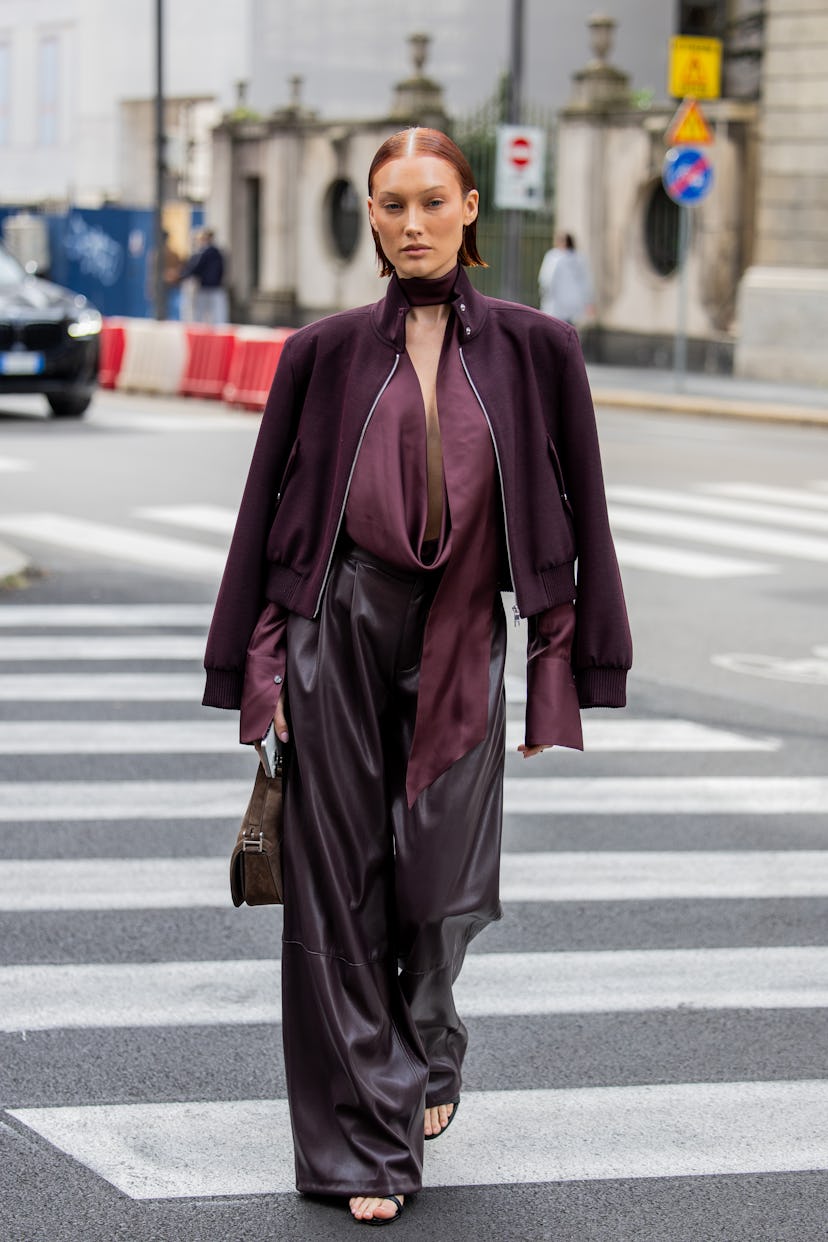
348, 484
499, 475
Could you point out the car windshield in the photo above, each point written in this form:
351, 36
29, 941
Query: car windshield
11, 273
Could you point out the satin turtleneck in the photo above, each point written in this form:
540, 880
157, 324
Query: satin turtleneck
425, 291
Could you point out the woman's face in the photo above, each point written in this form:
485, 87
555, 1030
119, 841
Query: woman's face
419, 211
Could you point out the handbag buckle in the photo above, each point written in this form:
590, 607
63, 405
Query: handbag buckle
254, 844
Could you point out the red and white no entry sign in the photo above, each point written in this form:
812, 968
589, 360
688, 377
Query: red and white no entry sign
519, 167
520, 151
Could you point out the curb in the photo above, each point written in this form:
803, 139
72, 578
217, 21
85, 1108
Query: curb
709, 407
12, 562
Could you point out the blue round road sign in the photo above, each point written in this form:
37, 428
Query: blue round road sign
687, 174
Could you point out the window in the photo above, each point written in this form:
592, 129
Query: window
344, 214
661, 231
704, 18
48, 69
5, 93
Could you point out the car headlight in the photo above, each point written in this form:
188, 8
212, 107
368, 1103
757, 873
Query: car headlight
86, 323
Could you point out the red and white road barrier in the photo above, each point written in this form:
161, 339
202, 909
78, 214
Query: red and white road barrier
229, 363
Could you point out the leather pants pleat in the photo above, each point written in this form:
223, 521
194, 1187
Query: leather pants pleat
381, 900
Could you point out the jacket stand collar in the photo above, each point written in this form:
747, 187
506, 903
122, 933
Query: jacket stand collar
388, 315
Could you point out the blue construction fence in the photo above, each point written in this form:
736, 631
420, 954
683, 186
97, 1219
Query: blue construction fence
107, 254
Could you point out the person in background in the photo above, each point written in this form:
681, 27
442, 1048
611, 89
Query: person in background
565, 282
172, 265
206, 266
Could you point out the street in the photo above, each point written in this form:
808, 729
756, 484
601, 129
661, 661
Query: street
648, 1046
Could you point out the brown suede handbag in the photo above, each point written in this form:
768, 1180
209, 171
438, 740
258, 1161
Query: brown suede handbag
256, 861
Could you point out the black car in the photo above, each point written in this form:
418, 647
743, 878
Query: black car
49, 340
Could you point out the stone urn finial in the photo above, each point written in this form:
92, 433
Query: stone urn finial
296, 82
602, 36
419, 51
418, 100
599, 87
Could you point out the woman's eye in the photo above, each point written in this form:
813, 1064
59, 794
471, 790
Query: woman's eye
391, 206
436, 202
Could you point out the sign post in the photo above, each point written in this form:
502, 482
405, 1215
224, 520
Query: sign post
687, 176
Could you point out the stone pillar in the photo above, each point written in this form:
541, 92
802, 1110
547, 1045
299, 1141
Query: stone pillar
783, 299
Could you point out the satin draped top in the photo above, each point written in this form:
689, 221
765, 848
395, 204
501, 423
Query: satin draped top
386, 514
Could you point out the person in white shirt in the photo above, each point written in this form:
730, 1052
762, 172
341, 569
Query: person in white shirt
565, 282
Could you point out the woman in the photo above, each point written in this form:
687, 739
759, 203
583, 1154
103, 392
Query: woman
410, 465
564, 281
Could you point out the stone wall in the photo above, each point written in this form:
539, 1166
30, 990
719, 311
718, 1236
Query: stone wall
792, 220
783, 302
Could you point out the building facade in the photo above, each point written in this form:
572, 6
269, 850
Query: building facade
783, 297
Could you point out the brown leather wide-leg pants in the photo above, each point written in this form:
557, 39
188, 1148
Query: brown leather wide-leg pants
380, 900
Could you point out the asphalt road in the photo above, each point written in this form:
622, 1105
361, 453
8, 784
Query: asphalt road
648, 1038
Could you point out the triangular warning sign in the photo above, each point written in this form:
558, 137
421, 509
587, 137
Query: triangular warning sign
688, 127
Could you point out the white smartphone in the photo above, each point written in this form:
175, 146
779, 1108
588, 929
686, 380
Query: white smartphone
270, 753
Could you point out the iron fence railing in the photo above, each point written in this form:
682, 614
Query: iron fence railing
476, 134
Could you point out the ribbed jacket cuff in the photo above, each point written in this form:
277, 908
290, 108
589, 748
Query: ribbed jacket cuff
601, 687
223, 688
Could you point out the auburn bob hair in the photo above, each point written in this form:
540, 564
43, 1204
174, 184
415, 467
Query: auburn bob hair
419, 141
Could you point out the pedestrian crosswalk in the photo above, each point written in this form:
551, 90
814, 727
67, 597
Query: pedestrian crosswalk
75, 849
706, 531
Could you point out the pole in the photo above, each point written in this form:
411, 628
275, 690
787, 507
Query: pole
512, 223
158, 231
680, 350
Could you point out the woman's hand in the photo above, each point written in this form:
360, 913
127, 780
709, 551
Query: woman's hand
280, 719
279, 724
529, 752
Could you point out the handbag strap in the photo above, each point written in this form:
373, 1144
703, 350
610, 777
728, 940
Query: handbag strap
255, 811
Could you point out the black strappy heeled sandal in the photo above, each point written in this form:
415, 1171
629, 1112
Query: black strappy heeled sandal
452, 1115
382, 1220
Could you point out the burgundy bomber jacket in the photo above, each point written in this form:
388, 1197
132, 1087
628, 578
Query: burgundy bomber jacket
527, 372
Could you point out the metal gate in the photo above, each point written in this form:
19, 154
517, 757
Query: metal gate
476, 135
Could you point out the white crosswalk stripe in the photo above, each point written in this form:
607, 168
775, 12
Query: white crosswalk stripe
798, 497
625, 733
239, 993
119, 543
766, 514
104, 616
666, 559
641, 875
97, 647
76, 801
674, 1130
189, 1146
165, 737
118, 687
197, 517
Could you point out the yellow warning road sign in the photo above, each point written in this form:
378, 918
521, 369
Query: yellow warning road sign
695, 67
688, 127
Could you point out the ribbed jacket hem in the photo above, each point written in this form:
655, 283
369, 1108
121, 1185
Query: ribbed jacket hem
601, 687
223, 688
